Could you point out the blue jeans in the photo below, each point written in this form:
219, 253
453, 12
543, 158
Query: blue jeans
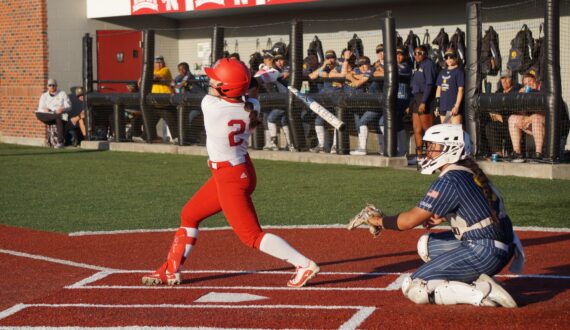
278, 116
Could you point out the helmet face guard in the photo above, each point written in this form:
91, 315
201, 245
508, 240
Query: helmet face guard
233, 77
451, 138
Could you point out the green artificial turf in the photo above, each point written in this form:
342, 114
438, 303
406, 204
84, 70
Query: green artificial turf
73, 190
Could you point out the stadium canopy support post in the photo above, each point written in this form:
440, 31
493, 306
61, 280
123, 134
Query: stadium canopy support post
296, 57
472, 69
146, 81
552, 79
390, 84
87, 70
217, 43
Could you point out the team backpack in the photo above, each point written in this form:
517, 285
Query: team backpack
457, 42
316, 48
442, 43
399, 40
537, 67
490, 53
520, 54
355, 46
412, 41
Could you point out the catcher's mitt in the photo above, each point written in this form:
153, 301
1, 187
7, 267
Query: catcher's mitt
364, 216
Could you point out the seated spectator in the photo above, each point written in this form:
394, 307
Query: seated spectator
134, 114
532, 124
279, 116
53, 109
496, 128
450, 88
329, 68
78, 116
378, 66
358, 81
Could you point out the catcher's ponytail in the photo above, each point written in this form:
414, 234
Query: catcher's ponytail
483, 182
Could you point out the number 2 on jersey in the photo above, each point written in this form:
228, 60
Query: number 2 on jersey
240, 125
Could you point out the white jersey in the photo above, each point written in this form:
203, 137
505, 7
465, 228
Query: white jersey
227, 128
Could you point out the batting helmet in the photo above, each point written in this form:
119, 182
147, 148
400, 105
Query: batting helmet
233, 75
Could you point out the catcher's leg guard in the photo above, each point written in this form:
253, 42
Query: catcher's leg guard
423, 247
184, 240
453, 293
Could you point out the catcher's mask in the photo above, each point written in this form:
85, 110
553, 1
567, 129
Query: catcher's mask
233, 76
445, 145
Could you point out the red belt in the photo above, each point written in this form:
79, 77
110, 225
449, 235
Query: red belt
218, 165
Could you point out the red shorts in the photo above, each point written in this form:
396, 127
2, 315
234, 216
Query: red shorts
228, 190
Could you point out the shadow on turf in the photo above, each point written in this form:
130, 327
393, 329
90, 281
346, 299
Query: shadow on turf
545, 240
528, 291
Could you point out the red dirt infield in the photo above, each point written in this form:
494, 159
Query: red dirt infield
56, 280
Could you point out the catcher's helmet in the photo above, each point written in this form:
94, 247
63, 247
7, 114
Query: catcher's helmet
233, 75
451, 137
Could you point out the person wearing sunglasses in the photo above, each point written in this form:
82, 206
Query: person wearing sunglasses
450, 89
423, 90
53, 109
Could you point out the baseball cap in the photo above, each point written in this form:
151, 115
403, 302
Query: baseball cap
52, 82
400, 49
330, 54
278, 57
507, 74
450, 52
79, 91
379, 48
363, 60
159, 58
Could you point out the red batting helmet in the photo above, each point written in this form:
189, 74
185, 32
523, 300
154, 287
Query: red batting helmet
233, 75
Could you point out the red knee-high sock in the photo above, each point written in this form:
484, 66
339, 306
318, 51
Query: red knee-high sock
184, 240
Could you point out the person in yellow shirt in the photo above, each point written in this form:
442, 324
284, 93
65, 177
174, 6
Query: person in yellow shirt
161, 77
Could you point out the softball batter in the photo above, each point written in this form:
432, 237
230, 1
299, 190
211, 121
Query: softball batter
229, 119
458, 263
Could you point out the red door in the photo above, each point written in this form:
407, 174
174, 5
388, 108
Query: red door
119, 57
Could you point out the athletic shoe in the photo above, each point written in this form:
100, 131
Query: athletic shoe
498, 294
517, 158
317, 149
333, 150
358, 152
162, 276
303, 275
59, 146
291, 148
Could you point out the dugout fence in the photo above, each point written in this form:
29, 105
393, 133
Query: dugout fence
357, 107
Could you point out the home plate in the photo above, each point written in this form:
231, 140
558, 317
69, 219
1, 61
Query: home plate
221, 297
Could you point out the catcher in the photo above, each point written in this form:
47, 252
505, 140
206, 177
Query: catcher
458, 263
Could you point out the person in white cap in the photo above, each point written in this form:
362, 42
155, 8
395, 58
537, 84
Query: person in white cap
53, 109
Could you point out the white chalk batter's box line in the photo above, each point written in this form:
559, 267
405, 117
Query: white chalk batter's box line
85, 283
361, 314
330, 226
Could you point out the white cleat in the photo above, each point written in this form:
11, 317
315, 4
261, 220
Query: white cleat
303, 275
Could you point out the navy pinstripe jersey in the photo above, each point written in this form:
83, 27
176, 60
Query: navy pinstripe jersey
456, 192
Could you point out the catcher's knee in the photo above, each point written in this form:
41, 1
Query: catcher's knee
416, 290
423, 251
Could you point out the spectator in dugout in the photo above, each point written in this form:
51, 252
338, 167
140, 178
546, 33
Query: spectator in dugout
423, 91
53, 109
78, 114
358, 80
496, 127
161, 85
279, 116
329, 68
182, 84
450, 90
402, 99
532, 124
378, 67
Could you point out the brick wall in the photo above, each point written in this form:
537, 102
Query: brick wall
23, 67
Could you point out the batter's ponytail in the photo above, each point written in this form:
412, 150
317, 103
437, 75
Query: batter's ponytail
254, 119
484, 183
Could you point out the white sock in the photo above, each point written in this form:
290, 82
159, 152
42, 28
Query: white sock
320, 131
287, 133
277, 247
190, 232
267, 137
334, 139
272, 129
362, 137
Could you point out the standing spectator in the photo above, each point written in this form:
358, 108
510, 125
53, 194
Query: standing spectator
378, 67
423, 90
162, 78
53, 109
450, 89
181, 83
402, 99
532, 124
496, 128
